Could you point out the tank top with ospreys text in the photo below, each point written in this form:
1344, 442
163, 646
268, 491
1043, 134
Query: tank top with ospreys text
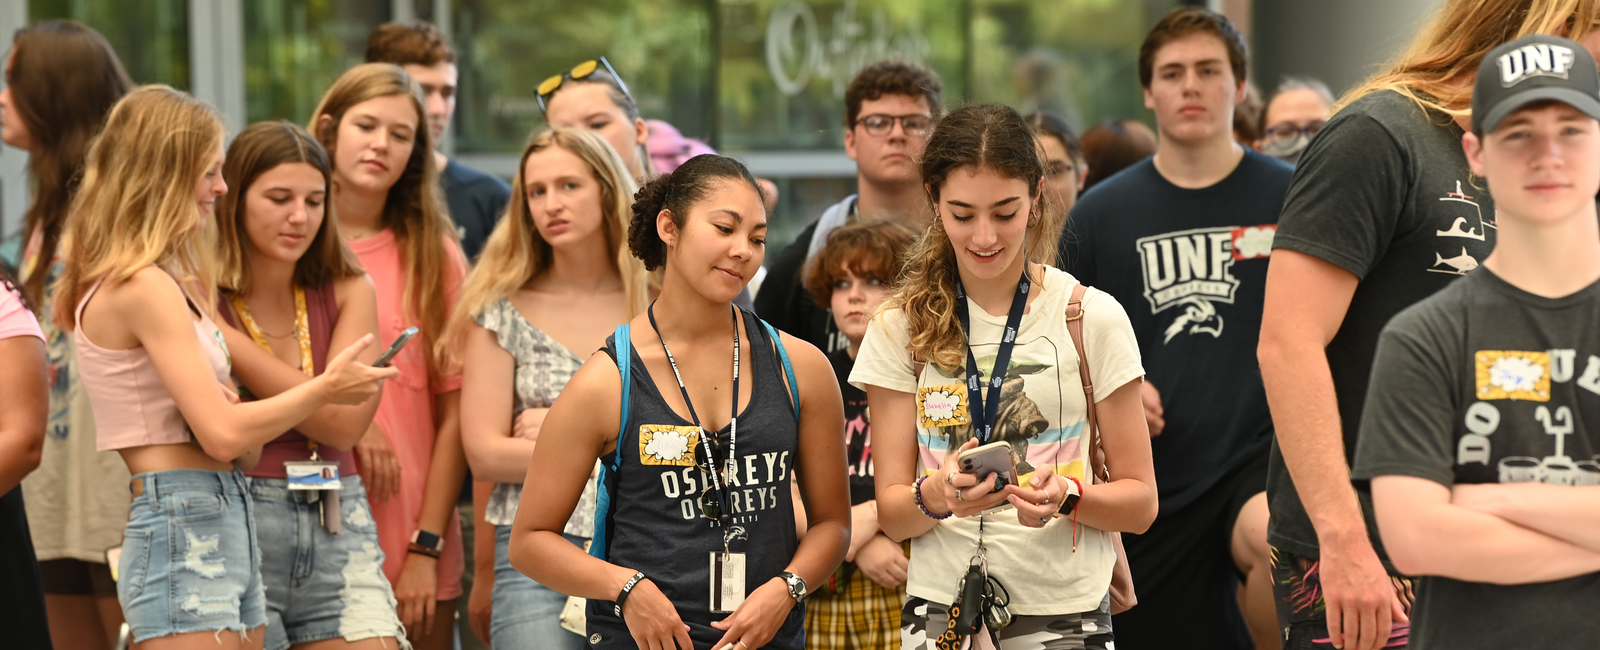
651, 521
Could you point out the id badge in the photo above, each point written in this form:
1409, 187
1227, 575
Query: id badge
943, 406
312, 474
727, 582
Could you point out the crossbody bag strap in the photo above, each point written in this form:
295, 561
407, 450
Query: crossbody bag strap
1097, 464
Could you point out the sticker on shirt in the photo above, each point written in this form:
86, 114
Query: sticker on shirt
943, 406
1513, 374
664, 444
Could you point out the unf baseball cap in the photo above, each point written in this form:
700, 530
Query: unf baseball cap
1534, 69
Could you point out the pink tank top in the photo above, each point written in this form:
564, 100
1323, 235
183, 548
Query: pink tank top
322, 315
132, 407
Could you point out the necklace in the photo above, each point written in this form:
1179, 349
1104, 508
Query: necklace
301, 331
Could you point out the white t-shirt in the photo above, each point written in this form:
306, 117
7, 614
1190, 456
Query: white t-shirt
1041, 414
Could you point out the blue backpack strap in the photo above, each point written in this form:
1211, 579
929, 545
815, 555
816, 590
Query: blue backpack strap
622, 346
788, 367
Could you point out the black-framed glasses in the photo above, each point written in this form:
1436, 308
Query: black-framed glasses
549, 86
878, 125
1289, 130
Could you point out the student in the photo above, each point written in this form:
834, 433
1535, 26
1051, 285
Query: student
61, 80
1476, 434
1293, 115
1382, 212
385, 194
668, 500
138, 292
476, 199
1183, 238
1113, 145
976, 264
555, 277
291, 293
22, 426
1064, 164
591, 96
859, 606
890, 109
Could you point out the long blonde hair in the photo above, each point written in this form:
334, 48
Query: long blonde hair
1437, 69
136, 206
989, 136
414, 208
515, 252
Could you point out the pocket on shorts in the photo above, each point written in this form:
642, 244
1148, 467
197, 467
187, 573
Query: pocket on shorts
190, 508
134, 565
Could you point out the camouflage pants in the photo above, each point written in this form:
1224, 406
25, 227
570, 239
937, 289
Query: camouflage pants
921, 623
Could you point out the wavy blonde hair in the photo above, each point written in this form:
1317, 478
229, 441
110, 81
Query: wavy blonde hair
414, 208
1437, 69
988, 136
516, 253
135, 206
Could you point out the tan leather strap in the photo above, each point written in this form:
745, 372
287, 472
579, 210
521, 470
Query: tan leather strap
1097, 463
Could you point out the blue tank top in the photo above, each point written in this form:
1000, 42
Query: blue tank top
650, 516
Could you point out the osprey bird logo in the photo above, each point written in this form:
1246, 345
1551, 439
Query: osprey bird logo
1199, 315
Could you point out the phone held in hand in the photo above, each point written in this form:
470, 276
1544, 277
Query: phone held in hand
993, 458
394, 348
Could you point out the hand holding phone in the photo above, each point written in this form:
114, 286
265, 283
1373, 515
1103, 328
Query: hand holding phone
395, 347
993, 458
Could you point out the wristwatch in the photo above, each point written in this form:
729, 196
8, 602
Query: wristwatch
797, 586
429, 540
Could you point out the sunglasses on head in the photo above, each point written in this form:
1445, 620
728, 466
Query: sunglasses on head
580, 71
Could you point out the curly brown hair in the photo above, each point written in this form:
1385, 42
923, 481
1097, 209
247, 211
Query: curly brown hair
869, 249
676, 192
892, 77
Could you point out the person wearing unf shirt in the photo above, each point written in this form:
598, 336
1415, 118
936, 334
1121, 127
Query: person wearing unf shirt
1182, 239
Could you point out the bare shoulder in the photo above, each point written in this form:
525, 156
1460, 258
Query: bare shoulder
150, 291
811, 366
354, 287
594, 395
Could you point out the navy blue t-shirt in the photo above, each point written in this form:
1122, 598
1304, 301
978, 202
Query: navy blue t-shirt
1190, 266
476, 201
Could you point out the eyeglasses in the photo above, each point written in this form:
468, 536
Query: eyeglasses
1289, 130
878, 125
580, 71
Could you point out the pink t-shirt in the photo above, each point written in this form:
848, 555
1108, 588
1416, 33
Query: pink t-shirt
406, 412
16, 320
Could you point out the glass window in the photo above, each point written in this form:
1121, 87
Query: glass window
151, 36
295, 49
504, 48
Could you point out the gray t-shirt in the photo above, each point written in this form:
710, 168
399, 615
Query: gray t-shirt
1486, 383
1384, 192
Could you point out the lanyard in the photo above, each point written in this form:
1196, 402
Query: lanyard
302, 335
1002, 359
719, 480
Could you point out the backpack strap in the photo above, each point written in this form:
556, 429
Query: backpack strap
1097, 458
622, 350
788, 367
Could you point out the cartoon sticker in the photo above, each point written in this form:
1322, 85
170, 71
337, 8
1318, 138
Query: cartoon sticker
664, 444
1513, 374
943, 406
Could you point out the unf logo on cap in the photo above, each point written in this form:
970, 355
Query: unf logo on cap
1535, 60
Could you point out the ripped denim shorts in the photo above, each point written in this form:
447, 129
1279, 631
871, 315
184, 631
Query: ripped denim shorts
189, 557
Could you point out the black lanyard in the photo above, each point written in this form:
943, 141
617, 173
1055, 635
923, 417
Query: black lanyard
984, 429
715, 510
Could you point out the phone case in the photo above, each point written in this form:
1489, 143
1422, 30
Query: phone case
993, 458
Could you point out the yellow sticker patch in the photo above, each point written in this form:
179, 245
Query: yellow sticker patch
1513, 374
943, 406
664, 444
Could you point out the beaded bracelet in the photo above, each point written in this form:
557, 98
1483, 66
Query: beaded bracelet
917, 489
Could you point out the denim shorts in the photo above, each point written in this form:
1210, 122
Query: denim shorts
320, 585
189, 556
526, 614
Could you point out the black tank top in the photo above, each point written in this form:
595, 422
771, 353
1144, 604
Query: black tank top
652, 520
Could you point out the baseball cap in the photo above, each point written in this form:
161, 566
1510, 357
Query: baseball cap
1533, 69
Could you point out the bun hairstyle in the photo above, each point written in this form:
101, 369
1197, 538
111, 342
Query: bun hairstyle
677, 192
991, 137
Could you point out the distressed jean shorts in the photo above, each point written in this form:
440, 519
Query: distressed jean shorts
189, 556
320, 585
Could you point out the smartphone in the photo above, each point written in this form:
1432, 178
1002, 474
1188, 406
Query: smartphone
394, 348
113, 560
993, 458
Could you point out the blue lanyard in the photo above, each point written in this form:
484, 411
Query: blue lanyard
719, 483
983, 429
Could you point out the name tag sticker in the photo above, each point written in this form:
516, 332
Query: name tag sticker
943, 406
312, 474
664, 444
